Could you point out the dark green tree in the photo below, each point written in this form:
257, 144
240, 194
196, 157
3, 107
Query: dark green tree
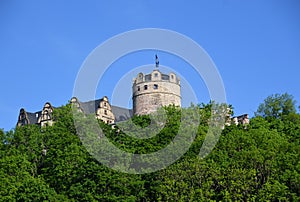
258, 163
276, 106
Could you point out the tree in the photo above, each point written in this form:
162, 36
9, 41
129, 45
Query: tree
276, 106
257, 163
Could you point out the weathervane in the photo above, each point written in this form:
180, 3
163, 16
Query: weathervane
156, 61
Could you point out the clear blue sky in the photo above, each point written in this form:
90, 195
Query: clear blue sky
255, 45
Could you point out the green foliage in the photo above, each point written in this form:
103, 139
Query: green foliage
277, 106
151, 144
257, 163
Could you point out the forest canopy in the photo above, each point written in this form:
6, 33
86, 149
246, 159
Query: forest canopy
254, 162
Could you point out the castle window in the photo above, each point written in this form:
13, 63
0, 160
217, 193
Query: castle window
155, 86
172, 76
138, 88
105, 112
156, 75
145, 87
104, 104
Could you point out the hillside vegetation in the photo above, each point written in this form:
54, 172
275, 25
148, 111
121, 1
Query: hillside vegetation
257, 162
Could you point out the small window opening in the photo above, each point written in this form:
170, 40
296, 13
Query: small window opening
155, 86
145, 87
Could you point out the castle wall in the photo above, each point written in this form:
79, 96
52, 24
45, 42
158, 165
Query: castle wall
155, 90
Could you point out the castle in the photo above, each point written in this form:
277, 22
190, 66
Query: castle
149, 92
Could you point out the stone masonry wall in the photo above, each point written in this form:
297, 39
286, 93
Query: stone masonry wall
155, 92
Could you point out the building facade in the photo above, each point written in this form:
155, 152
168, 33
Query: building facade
242, 119
42, 118
46, 118
102, 109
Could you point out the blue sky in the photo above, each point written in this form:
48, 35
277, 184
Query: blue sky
254, 44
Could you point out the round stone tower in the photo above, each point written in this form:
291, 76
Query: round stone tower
155, 90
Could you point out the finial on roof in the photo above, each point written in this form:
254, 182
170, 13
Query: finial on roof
156, 61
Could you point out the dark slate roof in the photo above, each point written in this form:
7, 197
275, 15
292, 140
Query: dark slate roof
32, 117
90, 106
121, 114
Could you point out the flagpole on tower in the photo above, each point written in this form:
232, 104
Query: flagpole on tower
156, 61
